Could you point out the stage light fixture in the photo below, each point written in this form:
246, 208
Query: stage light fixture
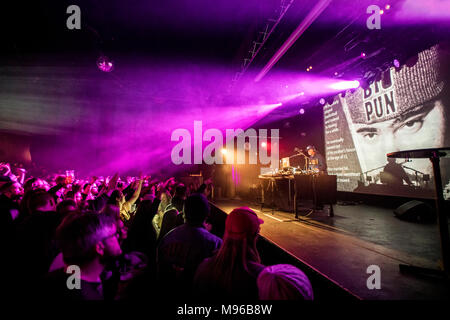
322, 101
363, 54
224, 151
381, 11
396, 63
264, 144
387, 7
302, 111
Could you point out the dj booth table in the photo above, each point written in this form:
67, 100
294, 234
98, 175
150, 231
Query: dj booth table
287, 191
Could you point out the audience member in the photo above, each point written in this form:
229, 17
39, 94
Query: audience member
233, 271
163, 206
284, 282
88, 241
182, 249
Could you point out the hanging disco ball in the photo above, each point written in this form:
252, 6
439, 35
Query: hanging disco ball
104, 64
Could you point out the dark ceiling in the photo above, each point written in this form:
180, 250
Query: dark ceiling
199, 29
218, 31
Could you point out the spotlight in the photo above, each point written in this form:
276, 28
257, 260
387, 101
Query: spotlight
387, 7
322, 101
310, 67
104, 64
343, 85
335, 73
264, 144
363, 54
302, 111
381, 11
396, 63
224, 151
354, 84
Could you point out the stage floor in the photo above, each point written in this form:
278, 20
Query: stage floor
343, 246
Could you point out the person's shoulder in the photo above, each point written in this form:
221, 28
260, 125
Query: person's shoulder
171, 212
180, 229
173, 234
209, 236
127, 206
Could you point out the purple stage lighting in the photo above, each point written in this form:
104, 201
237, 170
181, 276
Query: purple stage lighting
343, 85
430, 11
307, 21
293, 96
265, 109
302, 111
322, 101
104, 64
363, 54
396, 63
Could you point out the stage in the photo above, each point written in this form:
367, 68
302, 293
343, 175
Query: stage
342, 247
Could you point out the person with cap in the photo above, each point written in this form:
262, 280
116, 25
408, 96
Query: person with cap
404, 110
182, 249
233, 271
316, 162
284, 282
395, 174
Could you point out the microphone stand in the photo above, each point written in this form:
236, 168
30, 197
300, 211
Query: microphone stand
305, 156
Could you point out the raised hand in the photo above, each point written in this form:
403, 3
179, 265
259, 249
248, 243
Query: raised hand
113, 182
7, 168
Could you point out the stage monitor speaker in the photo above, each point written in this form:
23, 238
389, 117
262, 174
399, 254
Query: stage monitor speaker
415, 211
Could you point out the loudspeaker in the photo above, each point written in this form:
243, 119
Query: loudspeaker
415, 211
